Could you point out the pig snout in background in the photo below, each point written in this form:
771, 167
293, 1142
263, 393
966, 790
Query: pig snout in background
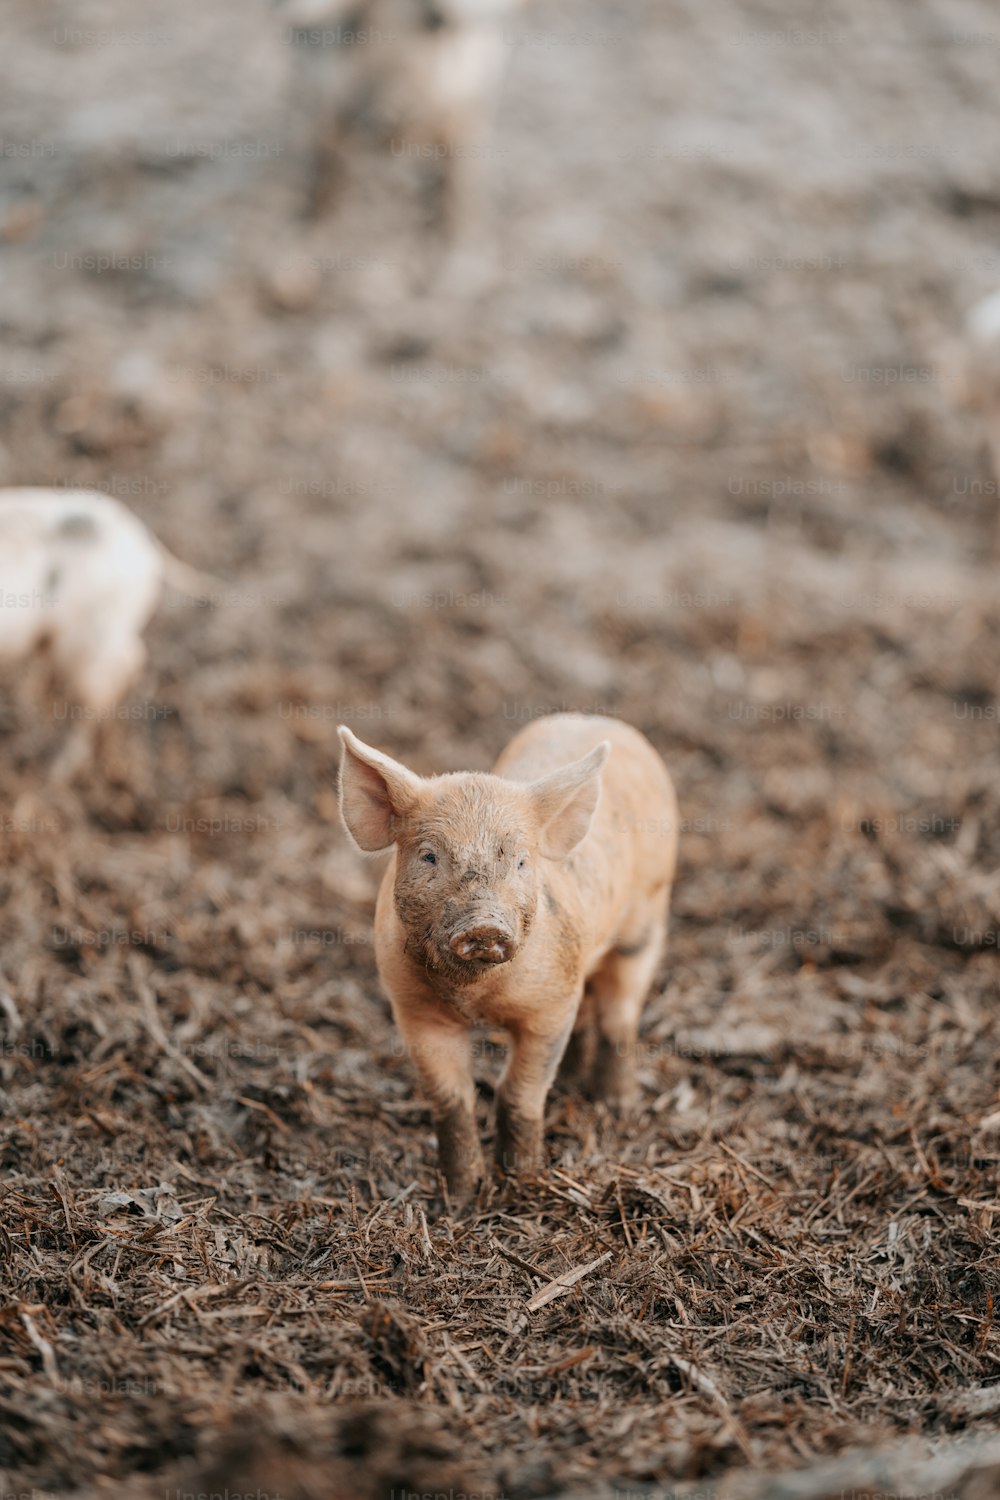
534, 898
80, 577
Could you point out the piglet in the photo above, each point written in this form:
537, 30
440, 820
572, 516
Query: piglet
422, 76
534, 898
80, 576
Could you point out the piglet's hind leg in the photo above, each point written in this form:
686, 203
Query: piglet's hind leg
619, 988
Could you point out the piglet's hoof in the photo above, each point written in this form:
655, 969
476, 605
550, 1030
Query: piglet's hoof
519, 1143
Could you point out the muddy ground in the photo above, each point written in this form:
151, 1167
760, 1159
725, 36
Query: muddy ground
685, 448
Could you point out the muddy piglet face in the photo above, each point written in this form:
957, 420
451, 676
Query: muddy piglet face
466, 873
469, 850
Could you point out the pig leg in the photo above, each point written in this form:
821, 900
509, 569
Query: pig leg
100, 666
441, 1052
578, 1060
99, 675
339, 98
527, 1078
619, 987
77, 751
457, 205
465, 250
326, 173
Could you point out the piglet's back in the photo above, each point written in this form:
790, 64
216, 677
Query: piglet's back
88, 542
548, 743
638, 806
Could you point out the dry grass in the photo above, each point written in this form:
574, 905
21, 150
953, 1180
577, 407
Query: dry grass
220, 1212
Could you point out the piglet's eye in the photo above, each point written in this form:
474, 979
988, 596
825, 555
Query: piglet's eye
429, 857
522, 863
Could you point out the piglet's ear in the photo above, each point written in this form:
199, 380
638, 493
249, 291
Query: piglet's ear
566, 800
375, 793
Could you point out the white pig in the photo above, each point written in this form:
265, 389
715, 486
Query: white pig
80, 576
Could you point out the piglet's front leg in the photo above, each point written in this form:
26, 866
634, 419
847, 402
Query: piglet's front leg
440, 1049
531, 1067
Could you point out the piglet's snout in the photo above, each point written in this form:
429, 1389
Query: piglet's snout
486, 944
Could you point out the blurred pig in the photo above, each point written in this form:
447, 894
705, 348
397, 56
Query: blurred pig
80, 576
422, 77
534, 898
